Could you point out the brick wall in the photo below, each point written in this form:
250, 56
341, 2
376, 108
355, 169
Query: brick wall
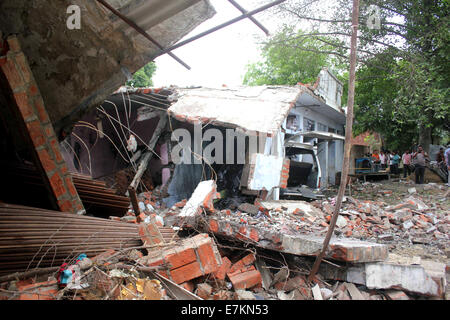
31, 110
285, 173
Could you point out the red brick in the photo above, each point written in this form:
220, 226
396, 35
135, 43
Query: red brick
14, 44
12, 74
47, 163
208, 258
39, 291
101, 258
189, 286
204, 291
141, 217
242, 264
48, 130
254, 235
157, 262
187, 272
181, 258
192, 258
41, 111
247, 279
23, 103
223, 269
22, 65
69, 183
35, 132
33, 90
242, 233
57, 185
213, 226
65, 206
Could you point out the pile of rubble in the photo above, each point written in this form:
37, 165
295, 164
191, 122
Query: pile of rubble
365, 233
265, 250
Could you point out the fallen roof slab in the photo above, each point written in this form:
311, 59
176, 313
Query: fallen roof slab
342, 249
250, 109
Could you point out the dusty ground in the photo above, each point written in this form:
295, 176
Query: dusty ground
435, 195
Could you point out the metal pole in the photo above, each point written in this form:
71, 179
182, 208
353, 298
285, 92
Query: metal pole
141, 31
237, 6
348, 137
223, 25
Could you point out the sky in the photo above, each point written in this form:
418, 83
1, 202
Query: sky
219, 58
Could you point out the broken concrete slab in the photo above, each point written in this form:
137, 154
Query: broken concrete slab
292, 205
341, 222
316, 292
404, 273
249, 208
326, 293
353, 291
245, 295
202, 197
266, 276
342, 249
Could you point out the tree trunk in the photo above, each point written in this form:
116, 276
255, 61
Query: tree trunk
425, 137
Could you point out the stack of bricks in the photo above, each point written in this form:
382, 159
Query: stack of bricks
150, 235
39, 129
189, 259
285, 173
243, 275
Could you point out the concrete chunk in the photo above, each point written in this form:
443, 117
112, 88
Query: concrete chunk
413, 275
202, 197
340, 249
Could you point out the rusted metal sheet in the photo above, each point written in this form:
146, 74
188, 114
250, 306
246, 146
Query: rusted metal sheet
32, 237
97, 198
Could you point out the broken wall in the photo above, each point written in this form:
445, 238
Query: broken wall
76, 69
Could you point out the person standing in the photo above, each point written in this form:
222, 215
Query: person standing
376, 160
395, 161
440, 156
406, 159
383, 160
420, 157
447, 161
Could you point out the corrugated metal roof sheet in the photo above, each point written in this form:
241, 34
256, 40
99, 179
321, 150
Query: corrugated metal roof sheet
250, 109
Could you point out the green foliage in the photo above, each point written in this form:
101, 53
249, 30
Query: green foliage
402, 78
288, 58
143, 77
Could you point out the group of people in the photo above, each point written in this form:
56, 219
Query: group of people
412, 161
387, 159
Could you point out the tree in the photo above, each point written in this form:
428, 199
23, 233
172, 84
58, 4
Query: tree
289, 58
143, 77
403, 60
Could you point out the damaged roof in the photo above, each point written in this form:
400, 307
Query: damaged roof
249, 109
